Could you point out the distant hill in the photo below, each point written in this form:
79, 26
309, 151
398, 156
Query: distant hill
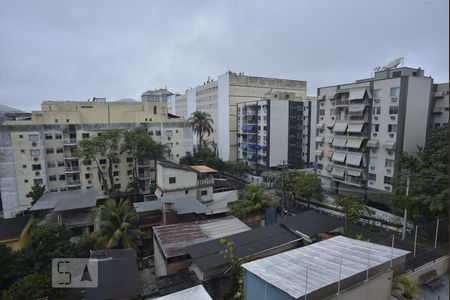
4, 108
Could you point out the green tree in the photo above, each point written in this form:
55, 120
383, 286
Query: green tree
33, 286
303, 185
235, 289
36, 193
118, 226
353, 207
8, 267
428, 171
252, 201
407, 286
201, 123
204, 156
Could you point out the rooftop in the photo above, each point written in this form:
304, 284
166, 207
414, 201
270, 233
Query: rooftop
183, 205
13, 228
194, 293
203, 169
173, 239
67, 200
287, 271
172, 165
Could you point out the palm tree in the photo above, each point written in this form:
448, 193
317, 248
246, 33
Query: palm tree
253, 200
201, 123
118, 226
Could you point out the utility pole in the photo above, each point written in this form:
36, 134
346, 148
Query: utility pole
405, 215
282, 189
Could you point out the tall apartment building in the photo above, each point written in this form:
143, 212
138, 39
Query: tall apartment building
440, 105
364, 126
42, 150
220, 98
275, 131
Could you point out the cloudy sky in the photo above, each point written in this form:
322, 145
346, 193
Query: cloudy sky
75, 50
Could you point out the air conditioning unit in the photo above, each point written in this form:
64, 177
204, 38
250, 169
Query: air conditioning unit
130, 177
394, 99
374, 134
387, 188
322, 103
130, 165
375, 117
321, 118
37, 173
34, 144
36, 158
332, 118
116, 166
376, 100
371, 182
388, 170
117, 178
391, 135
372, 168
89, 181
88, 168
390, 152
374, 150
103, 167
393, 118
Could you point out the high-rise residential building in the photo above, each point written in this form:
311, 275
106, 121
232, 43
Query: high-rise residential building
41, 151
275, 131
220, 98
363, 128
440, 104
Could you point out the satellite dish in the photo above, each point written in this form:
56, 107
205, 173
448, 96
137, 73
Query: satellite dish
393, 64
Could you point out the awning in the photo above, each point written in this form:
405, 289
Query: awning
330, 125
250, 156
354, 159
357, 94
319, 139
357, 110
340, 127
373, 143
355, 128
390, 145
243, 145
338, 172
319, 152
329, 139
339, 157
329, 167
320, 125
355, 173
354, 143
339, 142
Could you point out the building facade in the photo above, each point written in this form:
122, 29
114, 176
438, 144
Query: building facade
275, 131
220, 99
42, 151
363, 128
440, 105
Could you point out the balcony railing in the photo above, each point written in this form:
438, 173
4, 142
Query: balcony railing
70, 142
70, 155
73, 169
73, 182
205, 182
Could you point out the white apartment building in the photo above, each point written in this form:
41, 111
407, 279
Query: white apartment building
41, 151
364, 126
220, 98
276, 131
440, 105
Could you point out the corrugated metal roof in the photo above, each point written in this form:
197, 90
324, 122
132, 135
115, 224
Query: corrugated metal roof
194, 293
67, 200
13, 227
287, 271
203, 169
173, 239
183, 205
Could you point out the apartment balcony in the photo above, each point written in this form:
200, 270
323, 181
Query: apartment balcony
144, 163
75, 169
71, 183
70, 155
70, 142
144, 175
343, 102
205, 182
438, 110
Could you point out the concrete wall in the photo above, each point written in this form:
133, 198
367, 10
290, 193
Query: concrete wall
223, 122
440, 265
184, 179
8, 182
279, 129
256, 289
378, 288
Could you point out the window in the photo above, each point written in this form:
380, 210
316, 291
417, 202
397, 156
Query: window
87, 162
321, 112
396, 74
116, 173
20, 136
62, 177
186, 192
168, 132
102, 161
63, 189
172, 180
392, 128
58, 136
51, 165
36, 167
395, 92
85, 135
88, 176
170, 145
22, 151
176, 131
378, 93
26, 181
372, 177
129, 159
56, 121
67, 120
393, 110
33, 137
376, 110
61, 164
155, 110
376, 127
204, 193
38, 181
52, 178
35, 152
50, 150
387, 180
48, 136
158, 132
333, 111
130, 172
372, 160
24, 166
150, 133
59, 150
389, 163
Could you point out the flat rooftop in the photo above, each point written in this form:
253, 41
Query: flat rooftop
182, 204
194, 293
173, 239
67, 200
287, 271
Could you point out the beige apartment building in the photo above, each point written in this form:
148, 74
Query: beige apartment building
41, 151
220, 98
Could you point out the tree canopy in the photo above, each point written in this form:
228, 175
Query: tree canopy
201, 123
304, 185
252, 201
353, 207
36, 193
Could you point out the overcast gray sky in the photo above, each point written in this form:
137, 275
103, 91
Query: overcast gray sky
75, 50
